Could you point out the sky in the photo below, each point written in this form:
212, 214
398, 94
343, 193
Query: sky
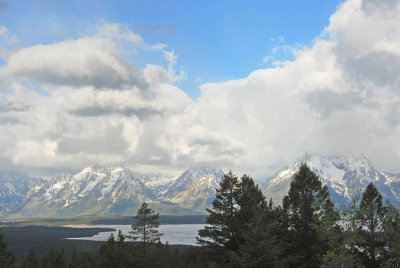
160, 86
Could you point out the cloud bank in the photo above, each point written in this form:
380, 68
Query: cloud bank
79, 102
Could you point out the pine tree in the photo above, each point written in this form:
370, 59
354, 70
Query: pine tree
311, 217
7, 258
144, 229
220, 235
250, 201
108, 253
262, 245
391, 227
366, 223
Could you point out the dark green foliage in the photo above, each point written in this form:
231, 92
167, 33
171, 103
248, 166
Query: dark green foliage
250, 201
55, 259
391, 227
366, 222
235, 205
340, 257
262, 245
145, 227
312, 220
221, 235
30, 261
109, 253
7, 258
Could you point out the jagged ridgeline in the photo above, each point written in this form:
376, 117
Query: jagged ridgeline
119, 191
344, 175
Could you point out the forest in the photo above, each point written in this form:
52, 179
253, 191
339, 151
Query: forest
245, 229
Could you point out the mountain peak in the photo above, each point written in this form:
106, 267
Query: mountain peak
343, 174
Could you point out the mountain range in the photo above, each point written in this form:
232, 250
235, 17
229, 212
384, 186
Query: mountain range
345, 176
119, 191
100, 191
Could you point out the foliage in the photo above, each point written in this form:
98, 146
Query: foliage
262, 245
235, 206
391, 227
7, 257
144, 228
366, 226
312, 220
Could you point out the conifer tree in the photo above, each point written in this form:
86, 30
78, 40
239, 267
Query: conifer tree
366, 223
7, 258
144, 229
108, 253
220, 235
310, 214
391, 227
235, 205
262, 245
250, 201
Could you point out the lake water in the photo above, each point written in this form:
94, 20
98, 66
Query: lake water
184, 234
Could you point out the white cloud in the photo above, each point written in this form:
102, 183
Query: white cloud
83, 62
340, 94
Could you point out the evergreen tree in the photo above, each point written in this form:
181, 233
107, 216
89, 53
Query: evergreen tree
250, 201
108, 253
30, 261
234, 208
220, 235
340, 257
7, 258
366, 223
391, 227
145, 227
262, 245
311, 219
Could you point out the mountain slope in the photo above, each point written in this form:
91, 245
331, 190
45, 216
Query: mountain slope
343, 174
195, 188
14, 186
93, 191
118, 191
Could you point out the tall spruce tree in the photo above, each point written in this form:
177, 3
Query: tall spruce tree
366, 224
144, 229
250, 201
311, 218
235, 205
220, 235
262, 245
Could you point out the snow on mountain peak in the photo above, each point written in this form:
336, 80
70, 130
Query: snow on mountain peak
344, 175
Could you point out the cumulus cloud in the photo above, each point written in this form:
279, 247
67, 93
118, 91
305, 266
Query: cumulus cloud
83, 62
341, 94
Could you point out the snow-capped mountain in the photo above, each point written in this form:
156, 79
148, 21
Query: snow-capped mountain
344, 175
195, 188
118, 191
93, 191
13, 188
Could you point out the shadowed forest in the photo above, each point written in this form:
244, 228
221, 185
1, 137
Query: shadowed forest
246, 230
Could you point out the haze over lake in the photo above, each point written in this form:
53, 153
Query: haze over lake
184, 234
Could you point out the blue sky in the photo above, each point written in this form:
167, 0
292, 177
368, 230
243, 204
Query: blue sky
159, 86
214, 40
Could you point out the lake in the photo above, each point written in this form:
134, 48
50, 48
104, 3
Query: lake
184, 234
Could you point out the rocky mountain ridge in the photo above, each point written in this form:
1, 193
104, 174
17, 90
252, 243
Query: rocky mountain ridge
344, 175
119, 191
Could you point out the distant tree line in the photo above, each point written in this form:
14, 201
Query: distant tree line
245, 230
